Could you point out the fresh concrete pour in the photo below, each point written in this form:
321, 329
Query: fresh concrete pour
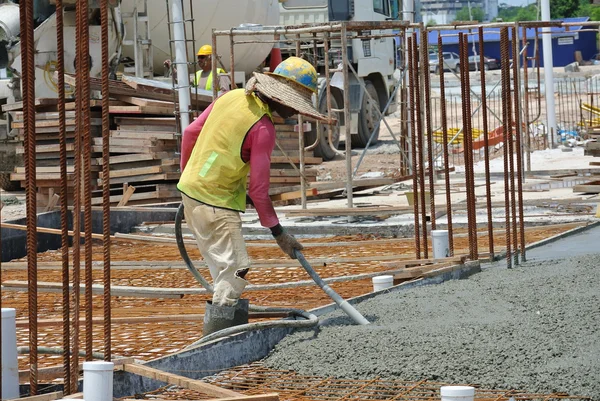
533, 328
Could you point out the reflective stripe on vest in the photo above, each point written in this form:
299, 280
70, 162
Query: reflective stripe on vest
215, 173
209, 79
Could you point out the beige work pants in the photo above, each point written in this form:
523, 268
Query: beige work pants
218, 233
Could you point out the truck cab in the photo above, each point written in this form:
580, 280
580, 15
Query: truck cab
373, 59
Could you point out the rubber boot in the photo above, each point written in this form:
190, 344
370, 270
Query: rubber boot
222, 317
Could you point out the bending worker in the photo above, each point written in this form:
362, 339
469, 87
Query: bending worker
233, 136
204, 78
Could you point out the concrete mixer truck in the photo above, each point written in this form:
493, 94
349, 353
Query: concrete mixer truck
139, 45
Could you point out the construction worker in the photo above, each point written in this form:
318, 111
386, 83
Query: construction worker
235, 136
204, 78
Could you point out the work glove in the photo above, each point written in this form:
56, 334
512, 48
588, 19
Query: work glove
286, 241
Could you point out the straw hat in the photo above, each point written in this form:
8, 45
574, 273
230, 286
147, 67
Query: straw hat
286, 92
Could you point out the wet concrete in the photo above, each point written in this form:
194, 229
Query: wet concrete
583, 243
532, 328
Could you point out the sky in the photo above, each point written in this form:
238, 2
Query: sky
516, 2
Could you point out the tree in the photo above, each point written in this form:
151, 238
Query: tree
563, 8
431, 22
476, 12
528, 13
510, 13
588, 10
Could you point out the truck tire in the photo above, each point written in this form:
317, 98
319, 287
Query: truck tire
8, 185
367, 118
323, 149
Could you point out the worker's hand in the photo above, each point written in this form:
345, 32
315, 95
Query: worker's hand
286, 241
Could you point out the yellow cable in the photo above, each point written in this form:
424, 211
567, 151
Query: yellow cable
49, 70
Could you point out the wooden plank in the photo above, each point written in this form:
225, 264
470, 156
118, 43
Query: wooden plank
417, 262
148, 135
125, 142
294, 194
142, 196
38, 102
290, 172
414, 272
128, 158
41, 397
260, 397
141, 178
52, 202
55, 169
45, 230
126, 196
141, 121
589, 187
295, 160
140, 110
54, 123
132, 172
180, 381
355, 211
131, 149
74, 396
144, 102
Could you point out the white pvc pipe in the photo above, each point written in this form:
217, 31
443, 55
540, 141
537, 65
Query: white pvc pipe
98, 381
10, 367
548, 72
183, 77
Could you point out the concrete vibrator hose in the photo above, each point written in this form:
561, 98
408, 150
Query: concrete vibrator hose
310, 320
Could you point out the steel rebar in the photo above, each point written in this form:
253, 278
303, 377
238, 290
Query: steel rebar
466, 112
518, 131
418, 132
413, 142
486, 143
469, 142
84, 48
443, 117
106, 181
28, 78
511, 164
64, 196
76, 214
427, 93
505, 56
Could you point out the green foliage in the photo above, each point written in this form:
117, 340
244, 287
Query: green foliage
509, 13
588, 10
476, 12
563, 8
431, 22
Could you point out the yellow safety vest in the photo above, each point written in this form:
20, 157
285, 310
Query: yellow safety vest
209, 79
215, 173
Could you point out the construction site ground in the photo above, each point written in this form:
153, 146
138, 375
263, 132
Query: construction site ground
550, 204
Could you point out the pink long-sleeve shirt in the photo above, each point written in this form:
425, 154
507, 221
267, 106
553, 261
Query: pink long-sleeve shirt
257, 148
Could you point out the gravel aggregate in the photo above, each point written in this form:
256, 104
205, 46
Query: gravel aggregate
533, 328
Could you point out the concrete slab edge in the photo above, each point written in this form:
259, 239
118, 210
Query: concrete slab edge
568, 233
545, 241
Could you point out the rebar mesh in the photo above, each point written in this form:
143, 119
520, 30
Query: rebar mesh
256, 379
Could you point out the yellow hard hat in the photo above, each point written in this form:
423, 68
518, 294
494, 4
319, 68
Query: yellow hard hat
205, 50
